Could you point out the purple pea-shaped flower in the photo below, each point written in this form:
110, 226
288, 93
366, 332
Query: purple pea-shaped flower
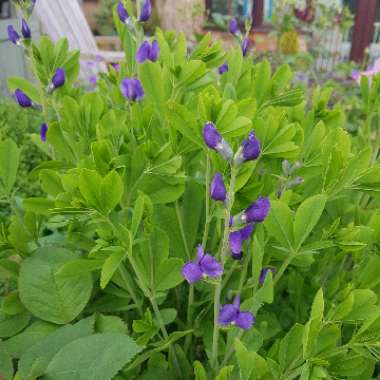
231, 315
233, 26
25, 29
250, 149
214, 141
218, 190
257, 211
58, 79
122, 12
236, 240
146, 11
245, 45
22, 99
148, 51
132, 89
204, 266
43, 131
223, 68
264, 273
13, 36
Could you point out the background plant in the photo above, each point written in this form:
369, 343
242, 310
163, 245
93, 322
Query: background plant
92, 267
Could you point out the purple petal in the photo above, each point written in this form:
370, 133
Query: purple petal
237, 256
200, 253
258, 211
22, 99
211, 135
210, 266
126, 88
43, 131
223, 68
154, 51
146, 11
245, 320
246, 232
235, 242
233, 26
264, 273
251, 147
245, 46
228, 314
191, 272
59, 78
25, 30
122, 12
143, 53
139, 91
218, 190
13, 35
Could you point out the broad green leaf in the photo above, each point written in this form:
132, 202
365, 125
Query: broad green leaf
110, 267
47, 295
225, 373
12, 324
138, 211
168, 274
111, 190
35, 360
99, 356
290, 352
307, 216
110, 324
154, 88
199, 371
89, 185
79, 267
6, 365
279, 223
9, 161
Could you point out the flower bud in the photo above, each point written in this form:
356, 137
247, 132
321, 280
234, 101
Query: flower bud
25, 30
218, 190
132, 89
214, 140
233, 26
250, 149
245, 45
122, 12
256, 212
223, 68
22, 99
148, 52
146, 11
58, 79
43, 131
13, 36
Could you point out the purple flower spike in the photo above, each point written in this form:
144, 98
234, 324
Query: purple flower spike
218, 190
250, 149
132, 89
204, 266
25, 30
148, 52
122, 12
233, 26
22, 99
223, 68
236, 240
257, 211
13, 36
43, 131
231, 314
245, 45
146, 11
264, 273
214, 140
58, 79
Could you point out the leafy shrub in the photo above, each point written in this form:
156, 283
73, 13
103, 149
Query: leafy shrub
93, 270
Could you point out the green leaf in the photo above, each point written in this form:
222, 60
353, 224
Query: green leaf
6, 365
225, 373
79, 267
111, 189
291, 348
168, 274
138, 211
307, 216
99, 356
110, 324
9, 161
199, 371
154, 89
35, 360
110, 267
47, 295
279, 223
12, 324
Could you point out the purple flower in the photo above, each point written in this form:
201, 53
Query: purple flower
214, 140
58, 79
146, 11
116, 66
257, 211
22, 99
122, 12
93, 80
233, 26
223, 68
13, 36
204, 266
148, 52
43, 131
250, 149
264, 273
218, 190
246, 43
132, 89
25, 30
237, 238
231, 314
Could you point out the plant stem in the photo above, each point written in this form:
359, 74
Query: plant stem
218, 289
182, 230
124, 276
283, 267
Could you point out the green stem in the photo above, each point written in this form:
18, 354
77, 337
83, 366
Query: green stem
182, 230
128, 285
224, 249
283, 267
